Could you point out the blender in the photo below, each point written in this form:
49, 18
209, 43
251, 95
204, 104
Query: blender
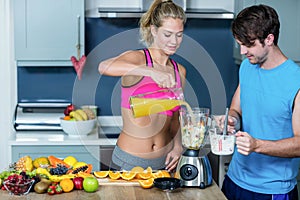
194, 168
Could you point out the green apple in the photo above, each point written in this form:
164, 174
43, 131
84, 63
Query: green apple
90, 184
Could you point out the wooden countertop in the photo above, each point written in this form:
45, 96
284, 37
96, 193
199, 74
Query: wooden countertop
212, 192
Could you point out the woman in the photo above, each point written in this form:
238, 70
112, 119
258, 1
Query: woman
153, 140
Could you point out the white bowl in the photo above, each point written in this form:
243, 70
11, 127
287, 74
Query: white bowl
77, 127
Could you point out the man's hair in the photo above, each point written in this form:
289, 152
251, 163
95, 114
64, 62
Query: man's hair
256, 22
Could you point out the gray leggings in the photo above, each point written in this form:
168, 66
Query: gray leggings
122, 160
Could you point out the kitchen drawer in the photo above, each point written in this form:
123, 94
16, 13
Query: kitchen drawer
105, 156
88, 154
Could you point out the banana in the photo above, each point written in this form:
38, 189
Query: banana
76, 116
82, 113
58, 178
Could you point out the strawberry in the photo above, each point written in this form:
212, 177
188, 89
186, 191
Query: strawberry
51, 190
58, 189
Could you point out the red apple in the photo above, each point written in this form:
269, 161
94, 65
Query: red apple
69, 109
78, 183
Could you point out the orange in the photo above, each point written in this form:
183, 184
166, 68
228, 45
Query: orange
67, 117
128, 175
166, 173
67, 185
114, 175
137, 169
101, 174
146, 183
158, 174
146, 174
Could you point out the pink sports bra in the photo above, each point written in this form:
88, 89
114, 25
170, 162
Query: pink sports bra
146, 84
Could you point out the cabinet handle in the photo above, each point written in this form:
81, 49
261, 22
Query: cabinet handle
78, 39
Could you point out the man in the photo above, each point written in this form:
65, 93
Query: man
266, 105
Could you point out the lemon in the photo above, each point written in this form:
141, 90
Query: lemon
40, 162
79, 164
70, 160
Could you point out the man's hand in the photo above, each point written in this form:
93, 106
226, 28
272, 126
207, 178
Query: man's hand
245, 143
231, 125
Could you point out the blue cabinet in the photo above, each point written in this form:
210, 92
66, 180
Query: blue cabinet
48, 32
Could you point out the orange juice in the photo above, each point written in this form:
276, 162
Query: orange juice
146, 106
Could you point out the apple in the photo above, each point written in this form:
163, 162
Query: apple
78, 183
69, 109
90, 184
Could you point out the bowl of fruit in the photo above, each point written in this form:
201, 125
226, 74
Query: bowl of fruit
78, 122
17, 184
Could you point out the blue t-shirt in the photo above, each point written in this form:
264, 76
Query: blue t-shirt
266, 100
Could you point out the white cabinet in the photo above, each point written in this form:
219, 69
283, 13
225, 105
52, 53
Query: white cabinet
88, 154
289, 40
48, 32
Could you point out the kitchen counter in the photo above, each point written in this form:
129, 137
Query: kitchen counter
57, 138
127, 192
108, 124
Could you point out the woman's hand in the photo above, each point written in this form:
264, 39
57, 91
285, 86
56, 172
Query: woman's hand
162, 78
173, 158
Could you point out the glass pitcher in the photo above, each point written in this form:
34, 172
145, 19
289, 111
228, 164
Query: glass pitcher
155, 102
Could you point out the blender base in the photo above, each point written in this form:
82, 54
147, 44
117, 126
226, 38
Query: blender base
194, 171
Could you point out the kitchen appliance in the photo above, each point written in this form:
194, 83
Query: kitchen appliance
145, 4
39, 115
194, 168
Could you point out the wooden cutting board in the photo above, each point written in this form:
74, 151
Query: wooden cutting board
118, 182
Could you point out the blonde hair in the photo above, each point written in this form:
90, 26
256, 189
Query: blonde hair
158, 11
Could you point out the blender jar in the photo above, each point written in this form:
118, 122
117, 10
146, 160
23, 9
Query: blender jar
194, 126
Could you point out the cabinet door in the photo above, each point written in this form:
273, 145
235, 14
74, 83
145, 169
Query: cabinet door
48, 32
88, 154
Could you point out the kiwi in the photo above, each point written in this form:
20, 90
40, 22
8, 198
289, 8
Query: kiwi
41, 187
46, 181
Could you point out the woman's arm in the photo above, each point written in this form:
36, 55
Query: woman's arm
133, 63
128, 63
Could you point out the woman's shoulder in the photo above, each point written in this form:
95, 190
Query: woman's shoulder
133, 56
181, 68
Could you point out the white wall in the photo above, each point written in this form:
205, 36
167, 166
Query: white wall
7, 81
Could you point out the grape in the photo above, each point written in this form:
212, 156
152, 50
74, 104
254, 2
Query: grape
59, 170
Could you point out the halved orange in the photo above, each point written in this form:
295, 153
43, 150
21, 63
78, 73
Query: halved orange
137, 169
146, 174
101, 174
114, 175
128, 175
146, 183
158, 174
166, 173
